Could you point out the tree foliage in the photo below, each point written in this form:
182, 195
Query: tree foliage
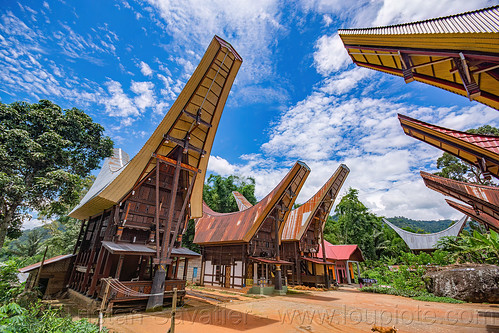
356, 225
454, 168
217, 192
45, 155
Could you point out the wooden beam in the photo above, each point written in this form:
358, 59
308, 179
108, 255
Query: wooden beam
172, 162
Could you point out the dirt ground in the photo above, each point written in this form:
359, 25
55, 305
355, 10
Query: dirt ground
344, 310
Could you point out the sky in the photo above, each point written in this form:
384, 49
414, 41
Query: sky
297, 96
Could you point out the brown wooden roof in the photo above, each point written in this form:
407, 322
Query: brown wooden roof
458, 53
481, 151
478, 216
216, 228
480, 197
197, 111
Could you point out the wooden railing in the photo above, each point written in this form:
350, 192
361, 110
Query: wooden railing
143, 287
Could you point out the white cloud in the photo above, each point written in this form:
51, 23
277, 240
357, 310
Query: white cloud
145, 93
119, 104
145, 69
251, 26
220, 166
397, 11
330, 55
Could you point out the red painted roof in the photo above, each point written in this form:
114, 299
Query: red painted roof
47, 262
488, 142
339, 252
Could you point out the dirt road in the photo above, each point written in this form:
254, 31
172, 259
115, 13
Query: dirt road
344, 310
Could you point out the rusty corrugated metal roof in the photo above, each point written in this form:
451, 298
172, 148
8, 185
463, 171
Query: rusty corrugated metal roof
477, 216
479, 150
240, 226
480, 197
484, 20
242, 202
299, 219
47, 262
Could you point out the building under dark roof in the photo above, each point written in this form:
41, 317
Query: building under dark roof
304, 231
136, 211
238, 246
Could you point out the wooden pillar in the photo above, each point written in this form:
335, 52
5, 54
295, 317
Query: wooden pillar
326, 276
96, 275
203, 269
186, 264
118, 269
278, 277
176, 267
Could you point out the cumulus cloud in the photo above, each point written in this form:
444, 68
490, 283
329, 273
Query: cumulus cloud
251, 26
330, 55
145, 93
145, 69
119, 104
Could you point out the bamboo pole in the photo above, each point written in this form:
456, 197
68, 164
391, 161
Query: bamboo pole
174, 311
103, 303
40, 270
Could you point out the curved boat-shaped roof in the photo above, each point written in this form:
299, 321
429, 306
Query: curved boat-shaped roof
479, 150
481, 197
427, 241
458, 53
321, 203
191, 122
482, 217
241, 201
237, 227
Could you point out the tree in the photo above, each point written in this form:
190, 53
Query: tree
454, 168
31, 246
217, 192
356, 225
45, 155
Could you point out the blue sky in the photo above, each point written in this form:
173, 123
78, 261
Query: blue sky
297, 95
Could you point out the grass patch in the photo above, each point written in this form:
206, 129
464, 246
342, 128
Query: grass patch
420, 295
439, 299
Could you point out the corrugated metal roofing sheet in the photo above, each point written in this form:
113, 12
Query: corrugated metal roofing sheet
484, 20
417, 241
299, 219
241, 201
240, 226
111, 168
47, 262
339, 252
489, 142
117, 248
482, 217
481, 197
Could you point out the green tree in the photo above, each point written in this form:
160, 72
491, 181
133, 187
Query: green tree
45, 155
356, 225
454, 168
217, 192
31, 246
